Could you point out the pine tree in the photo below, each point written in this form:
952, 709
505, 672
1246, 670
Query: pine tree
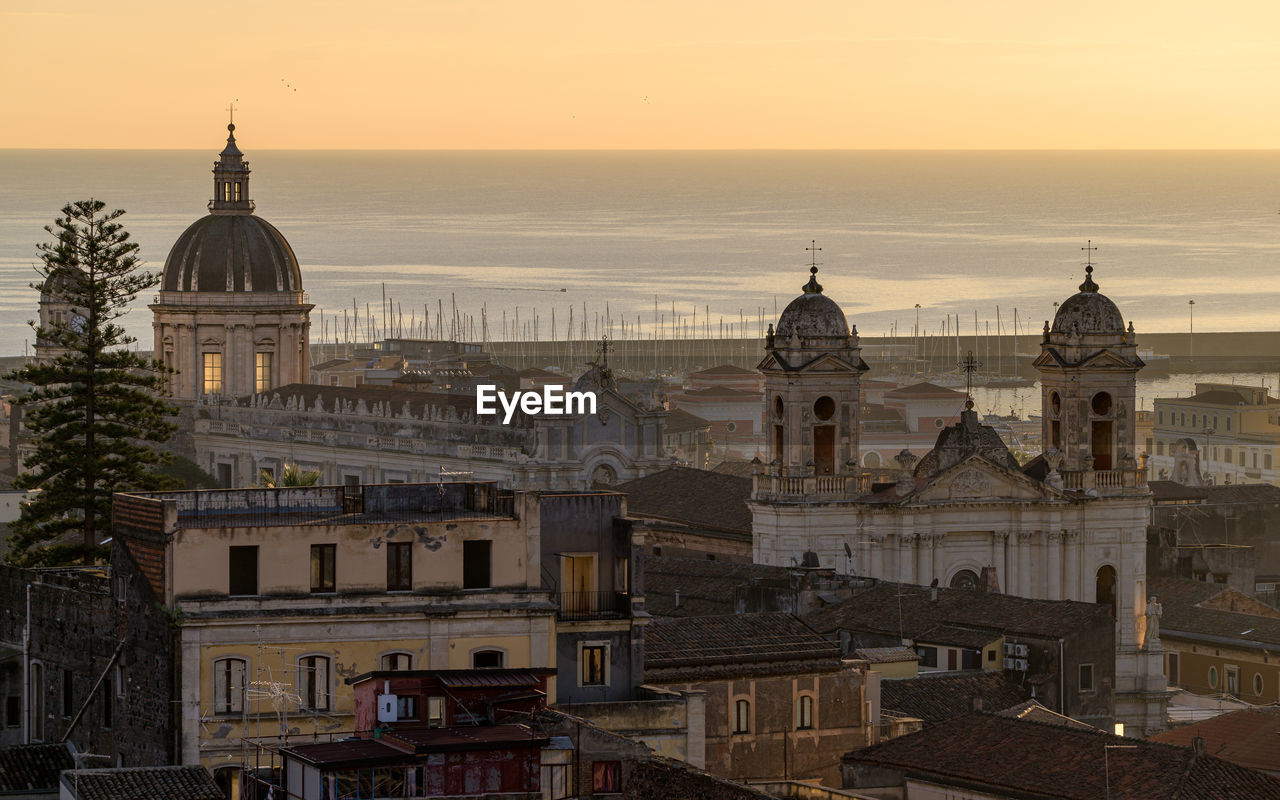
96, 408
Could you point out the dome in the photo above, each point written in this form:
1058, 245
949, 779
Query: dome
1088, 312
812, 314
231, 253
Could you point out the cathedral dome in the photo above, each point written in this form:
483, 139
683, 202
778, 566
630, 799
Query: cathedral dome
231, 253
1088, 312
812, 314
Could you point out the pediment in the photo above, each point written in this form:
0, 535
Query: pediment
1100, 359
824, 362
978, 478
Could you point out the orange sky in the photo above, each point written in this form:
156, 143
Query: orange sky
642, 74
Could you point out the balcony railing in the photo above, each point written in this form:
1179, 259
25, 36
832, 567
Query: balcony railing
593, 605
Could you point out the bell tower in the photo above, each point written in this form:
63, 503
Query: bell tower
812, 369
1088, 368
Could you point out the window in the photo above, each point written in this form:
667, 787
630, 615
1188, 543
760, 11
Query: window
991, 655
261, 372
435, 712
13, 711
1226, 455
1228, 423
476, 564
1233, 681
226, 191
1101, 404
1266, 461
1086, 677
1257, 683
593, 660
742, 716
1160, 417
399, 566
486, 659
395, 661
928, 656
228, 685
1182, 419
237, 195
1242, 458
804, 713
970, 659
313, 682
1159, 448
604, 776
1171, 669
407, 706
1193, 420
323, 557
212, 373
1213, 677
244, 569
108, 701
68, 702
824, 408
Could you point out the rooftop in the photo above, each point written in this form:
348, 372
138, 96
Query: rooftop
679, 421
874, 607
1171, 491
1032, 711
1024, 758
696, 648
723, 369
692, 587
1203, 611
335, 505
697, 498
939, 696
141, 783
33, 767
887, 655
1248, 738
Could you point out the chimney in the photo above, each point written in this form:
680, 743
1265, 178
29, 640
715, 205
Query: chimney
1197, 744
976, 702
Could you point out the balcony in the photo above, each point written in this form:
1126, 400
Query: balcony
811, 487
1106, 482
593, 605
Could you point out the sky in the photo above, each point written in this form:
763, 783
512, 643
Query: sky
651, 74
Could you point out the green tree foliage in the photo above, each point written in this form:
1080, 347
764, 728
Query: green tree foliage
95, 409
290, 475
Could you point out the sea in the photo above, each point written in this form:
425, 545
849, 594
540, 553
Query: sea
693, 243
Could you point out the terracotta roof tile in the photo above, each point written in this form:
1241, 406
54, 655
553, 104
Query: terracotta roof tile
874, 608
1250, 738
1018, 757
689, 587
737, 643
694, 497
142, 783
940, 696
33, 767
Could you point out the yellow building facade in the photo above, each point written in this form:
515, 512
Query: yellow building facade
277, 596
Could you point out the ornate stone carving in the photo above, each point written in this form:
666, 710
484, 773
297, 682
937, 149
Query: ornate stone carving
970, 483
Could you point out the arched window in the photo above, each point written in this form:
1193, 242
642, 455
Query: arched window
226, 191
1257, 683
487, 659
395, 661
1213, 677
804, 713
1101, 404
1105, 593
237, 191
871, 459
742, 716
965, 579
313, 683
228, 685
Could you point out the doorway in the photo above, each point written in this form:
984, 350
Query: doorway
824, 449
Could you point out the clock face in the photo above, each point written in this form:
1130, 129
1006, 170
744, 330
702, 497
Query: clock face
77, 323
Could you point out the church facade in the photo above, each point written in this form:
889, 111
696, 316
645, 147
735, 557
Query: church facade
1069, 525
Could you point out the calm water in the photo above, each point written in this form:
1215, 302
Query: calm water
717, 232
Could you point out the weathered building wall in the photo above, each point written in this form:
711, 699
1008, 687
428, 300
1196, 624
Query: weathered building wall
85, 642
775, 746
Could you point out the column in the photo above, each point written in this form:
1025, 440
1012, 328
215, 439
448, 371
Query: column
938, 541
1024, 563
998, 539
1053, 561
1071, 544
876, 547
907, 558
924, 560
